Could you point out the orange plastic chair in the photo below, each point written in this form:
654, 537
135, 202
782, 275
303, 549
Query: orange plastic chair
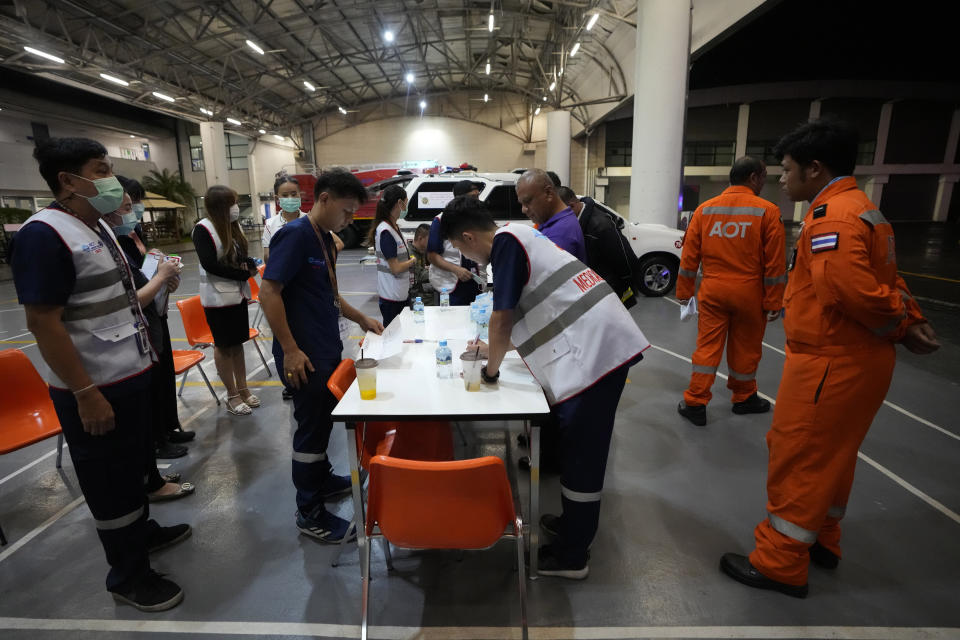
461, 504
183, 361
421, 441
255, 299
198, 331
27, 415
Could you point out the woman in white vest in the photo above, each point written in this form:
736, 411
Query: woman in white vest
578, 341
224, 292
394, 262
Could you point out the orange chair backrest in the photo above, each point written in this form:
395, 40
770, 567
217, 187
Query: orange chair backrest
194, 322
462, 504
254, 289
341, 378
24, 401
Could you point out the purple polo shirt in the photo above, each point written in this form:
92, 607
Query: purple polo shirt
564, 229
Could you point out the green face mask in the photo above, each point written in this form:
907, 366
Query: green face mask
290, 205
403, 214
109, 194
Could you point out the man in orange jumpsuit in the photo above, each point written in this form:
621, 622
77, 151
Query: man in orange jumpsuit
845, 308
739, 239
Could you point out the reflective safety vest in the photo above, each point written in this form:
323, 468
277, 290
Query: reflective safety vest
569, 326
390, 286
214, 290
440, 278
98, 315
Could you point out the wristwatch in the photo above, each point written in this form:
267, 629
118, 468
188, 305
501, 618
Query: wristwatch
487, 378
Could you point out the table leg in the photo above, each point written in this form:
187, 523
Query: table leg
357, 492
534, 500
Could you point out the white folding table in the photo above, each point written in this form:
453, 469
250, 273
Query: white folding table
408, 390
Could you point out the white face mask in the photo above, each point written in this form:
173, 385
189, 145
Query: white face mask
234, 213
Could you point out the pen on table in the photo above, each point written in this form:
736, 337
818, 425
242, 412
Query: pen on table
418, 341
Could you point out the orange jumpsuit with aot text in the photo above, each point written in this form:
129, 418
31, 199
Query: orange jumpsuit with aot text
845, 307
739, 239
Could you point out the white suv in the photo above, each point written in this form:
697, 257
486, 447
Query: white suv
657, 246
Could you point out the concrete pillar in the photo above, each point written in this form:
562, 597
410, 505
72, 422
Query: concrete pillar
660, 86
252, 179
945, 191
558, 144
743, 122
214, 153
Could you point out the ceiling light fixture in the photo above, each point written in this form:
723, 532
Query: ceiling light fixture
132, 136
423, 105
490, 23
593, 21
342, 110
206, 112
309, 86
553, 85
388, 36
486, 97
536, 111
488, 67
561, 72
576, 48
410, 78
234, 121
115, 80
255, 47
163, 96
44, 54
263, 131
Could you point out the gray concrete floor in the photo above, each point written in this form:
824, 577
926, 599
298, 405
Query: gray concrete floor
676, 498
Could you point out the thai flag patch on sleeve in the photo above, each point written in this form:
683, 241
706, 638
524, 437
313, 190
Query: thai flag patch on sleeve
824, 242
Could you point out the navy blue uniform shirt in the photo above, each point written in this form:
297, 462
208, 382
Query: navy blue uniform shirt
299, 263
388, 245
511, 271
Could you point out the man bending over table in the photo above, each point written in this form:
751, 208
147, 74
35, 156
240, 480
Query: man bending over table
578, 341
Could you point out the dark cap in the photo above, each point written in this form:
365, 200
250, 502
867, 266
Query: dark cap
464, 187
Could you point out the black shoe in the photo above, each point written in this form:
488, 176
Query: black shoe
753, 404
823, 557
151, 592
167, 451
550, 565
326, 527
739, 568
336, 486
168, 536
286, 394
179, 436
695, 413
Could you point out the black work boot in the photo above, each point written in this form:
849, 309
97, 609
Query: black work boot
739, 568
753, 404
695, 413
823, 557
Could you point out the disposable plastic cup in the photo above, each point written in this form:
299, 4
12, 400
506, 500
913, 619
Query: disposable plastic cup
471, 363
367, 378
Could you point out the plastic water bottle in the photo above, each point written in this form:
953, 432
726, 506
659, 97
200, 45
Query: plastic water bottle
418, 310
444, 299
444, 360
474, 311
483, 325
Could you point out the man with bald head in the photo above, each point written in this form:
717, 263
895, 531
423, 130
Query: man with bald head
554, 219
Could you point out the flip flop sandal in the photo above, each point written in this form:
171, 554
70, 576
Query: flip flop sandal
184, 489
251, 400
240, 410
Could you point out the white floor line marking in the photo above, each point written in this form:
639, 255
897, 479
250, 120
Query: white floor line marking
893, 406
321, 630
29, 465
70, 507
13, 548
936, 504
19, 335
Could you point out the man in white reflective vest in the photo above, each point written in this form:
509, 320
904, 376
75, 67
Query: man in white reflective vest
578, 341
81, 305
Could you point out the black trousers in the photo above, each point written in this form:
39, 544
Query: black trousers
110, 469
163, 389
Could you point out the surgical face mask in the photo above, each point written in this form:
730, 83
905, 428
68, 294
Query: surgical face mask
109, 194
124, 229
138, 209
290, 205
128, 218
403, 213
234, 213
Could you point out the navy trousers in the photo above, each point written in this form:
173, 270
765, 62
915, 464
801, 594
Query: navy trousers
390, 309
586, 426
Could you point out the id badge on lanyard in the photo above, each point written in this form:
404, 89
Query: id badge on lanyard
143, 341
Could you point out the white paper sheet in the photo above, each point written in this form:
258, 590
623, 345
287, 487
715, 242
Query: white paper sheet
688, 311
385, 345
